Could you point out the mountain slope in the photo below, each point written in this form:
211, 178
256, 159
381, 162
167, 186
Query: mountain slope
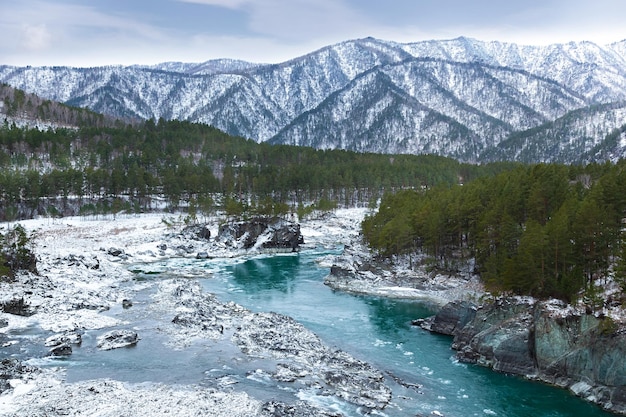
430, 106
28, 110
384, 113
479, 93
579, 136
597, 73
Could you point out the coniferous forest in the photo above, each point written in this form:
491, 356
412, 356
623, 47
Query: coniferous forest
541, 230
172, 165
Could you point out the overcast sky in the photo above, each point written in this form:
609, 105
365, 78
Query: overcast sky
103, 32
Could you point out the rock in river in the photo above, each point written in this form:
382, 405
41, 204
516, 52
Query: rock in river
117, 339
267, 233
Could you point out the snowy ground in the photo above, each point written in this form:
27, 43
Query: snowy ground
83, 268
355, 272
82, 264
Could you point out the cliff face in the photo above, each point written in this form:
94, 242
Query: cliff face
581, 352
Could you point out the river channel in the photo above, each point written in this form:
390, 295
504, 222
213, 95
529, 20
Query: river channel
428, 380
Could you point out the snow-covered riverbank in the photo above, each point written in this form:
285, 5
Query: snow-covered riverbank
355, 272
84, 275
84, 272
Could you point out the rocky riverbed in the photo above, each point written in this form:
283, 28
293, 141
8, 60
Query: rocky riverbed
549, 341
83, 273
355, 271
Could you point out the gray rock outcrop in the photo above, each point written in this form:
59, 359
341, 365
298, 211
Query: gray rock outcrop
197, 231
61, 350
61, 344
582, 352
266, 233
17, 306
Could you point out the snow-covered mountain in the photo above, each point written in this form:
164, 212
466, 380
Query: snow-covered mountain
462, 98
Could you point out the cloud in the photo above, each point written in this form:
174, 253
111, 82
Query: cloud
306, 19
35, 37
45, 19
98, 32
39, 32
296, 20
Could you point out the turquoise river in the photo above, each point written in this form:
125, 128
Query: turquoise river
376, 330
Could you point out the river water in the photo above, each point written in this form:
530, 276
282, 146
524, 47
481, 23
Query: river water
376, 330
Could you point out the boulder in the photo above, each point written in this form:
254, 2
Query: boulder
17, 306
61, 350
117, 339
69, 338
197, 231
115, 251
184, 250
266, 233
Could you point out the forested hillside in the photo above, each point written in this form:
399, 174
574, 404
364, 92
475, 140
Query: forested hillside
541, 230
169, 164
459, 98
17, 106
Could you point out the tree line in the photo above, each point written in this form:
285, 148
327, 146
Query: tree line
545, 230
174, 164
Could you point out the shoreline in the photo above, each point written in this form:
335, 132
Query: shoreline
83, 272
81, 276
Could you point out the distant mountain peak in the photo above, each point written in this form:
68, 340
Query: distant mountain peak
459, 97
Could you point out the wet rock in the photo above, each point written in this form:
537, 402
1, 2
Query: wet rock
563, 347
63, 349
117, 339
453, 317
202, 255
506, 347
69, 338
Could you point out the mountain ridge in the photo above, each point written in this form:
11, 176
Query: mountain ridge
490, 89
